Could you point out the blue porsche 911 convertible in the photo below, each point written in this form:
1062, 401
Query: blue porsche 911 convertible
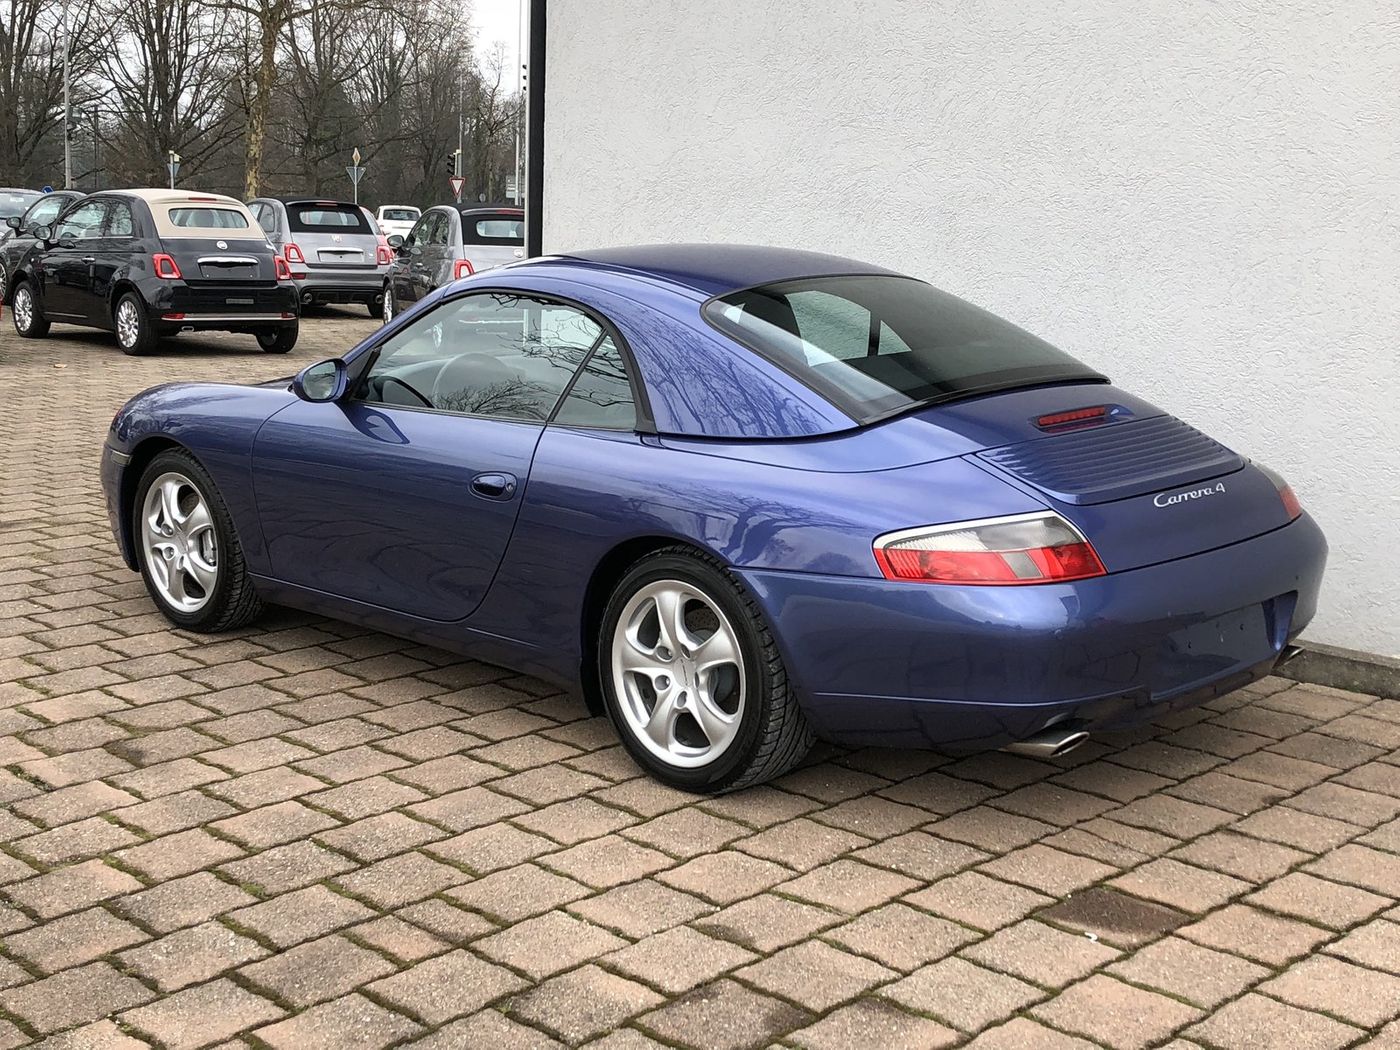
739, 499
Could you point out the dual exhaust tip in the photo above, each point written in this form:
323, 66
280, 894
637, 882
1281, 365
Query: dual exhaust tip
1061, 740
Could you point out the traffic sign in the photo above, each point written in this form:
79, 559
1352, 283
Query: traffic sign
48, 189
456, 182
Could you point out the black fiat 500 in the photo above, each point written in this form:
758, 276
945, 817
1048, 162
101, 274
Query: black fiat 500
146, 264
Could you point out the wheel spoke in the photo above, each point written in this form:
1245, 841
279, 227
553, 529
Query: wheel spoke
717, 725
204, 574
175, 583
170, 503
670, 619
637, 659
196, 522
663, 717
715, 651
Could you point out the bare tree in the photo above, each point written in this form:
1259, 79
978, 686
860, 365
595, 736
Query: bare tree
170, 75
31, 80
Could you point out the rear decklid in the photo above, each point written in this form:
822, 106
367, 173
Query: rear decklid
1143, 486
214, 240
333, 235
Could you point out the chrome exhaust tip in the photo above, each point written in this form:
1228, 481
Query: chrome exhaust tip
1288, 654
1049, 743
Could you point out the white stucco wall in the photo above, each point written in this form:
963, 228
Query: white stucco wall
1201, 199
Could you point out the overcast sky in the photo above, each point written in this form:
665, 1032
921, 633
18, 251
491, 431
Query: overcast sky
497, 20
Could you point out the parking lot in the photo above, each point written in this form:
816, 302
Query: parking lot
307, 835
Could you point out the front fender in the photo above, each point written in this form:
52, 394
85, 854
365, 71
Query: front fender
216, 423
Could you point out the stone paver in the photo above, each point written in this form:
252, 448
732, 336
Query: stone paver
308, 835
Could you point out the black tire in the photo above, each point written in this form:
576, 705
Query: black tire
773, 735
373, 306
139, 336
279, 340
232, 602
38, 324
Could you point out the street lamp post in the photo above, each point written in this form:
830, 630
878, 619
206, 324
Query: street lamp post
173, 166
67, 108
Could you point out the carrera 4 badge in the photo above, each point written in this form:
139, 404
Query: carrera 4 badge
1164, 499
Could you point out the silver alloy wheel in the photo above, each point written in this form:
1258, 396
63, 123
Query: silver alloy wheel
128, 323
678, 673
4, 280
179, 543
388, 305
23, 307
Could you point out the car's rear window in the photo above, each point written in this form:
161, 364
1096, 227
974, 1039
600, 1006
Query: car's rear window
505, 228
15, 203
876, 345
208, 218
399, 214
326, 218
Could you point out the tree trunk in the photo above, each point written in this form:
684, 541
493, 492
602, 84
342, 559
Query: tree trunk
270, 27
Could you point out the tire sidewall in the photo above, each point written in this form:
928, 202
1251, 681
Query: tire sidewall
184, 463
722, 590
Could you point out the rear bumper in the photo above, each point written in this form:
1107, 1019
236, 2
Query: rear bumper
366, 287
913, 665
214, 307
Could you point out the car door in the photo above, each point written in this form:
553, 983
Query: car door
404, 494
425, 263
408, 255
67, 266
112, 251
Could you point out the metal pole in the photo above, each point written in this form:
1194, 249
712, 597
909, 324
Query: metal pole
67, 109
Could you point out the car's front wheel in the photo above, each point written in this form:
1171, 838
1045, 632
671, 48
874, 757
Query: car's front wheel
278, 340
135, 335
692, 677
187, 549
29, 319
390, 307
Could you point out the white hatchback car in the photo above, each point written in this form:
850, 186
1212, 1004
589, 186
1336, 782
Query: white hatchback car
396, 218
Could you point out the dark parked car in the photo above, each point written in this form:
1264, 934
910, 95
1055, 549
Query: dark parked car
151, 263
449, 242
334, 249
17, 236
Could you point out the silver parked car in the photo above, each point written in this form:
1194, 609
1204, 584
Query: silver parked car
333, 248
450, 241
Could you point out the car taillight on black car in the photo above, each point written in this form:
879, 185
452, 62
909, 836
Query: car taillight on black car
1040, 547
1291, 504
165, 267
283, 271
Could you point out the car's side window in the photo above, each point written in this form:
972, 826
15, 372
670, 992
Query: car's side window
492, 354
601, 396
83, 223
267, 218
437, 230
119, 220
419, 233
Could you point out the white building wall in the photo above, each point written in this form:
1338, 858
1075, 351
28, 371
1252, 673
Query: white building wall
1200, 199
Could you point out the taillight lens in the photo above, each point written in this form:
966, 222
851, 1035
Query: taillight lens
165, 267
1291, 505
293, 254
382, 255
284, 272
1021, 549
462, 268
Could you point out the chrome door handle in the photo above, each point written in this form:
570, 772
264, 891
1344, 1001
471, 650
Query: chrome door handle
89, 258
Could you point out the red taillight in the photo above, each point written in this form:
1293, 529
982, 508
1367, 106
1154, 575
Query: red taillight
1291, 505
284, 272
382, 255
165, 267
462, 268
172, 317
293, 254
1020, 549
1078, 415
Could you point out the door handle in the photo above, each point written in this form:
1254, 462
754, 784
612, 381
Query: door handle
89, 258
494, 486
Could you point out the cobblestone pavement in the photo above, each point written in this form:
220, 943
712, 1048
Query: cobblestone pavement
307, 835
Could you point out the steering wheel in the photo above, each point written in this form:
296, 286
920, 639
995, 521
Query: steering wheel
425, 401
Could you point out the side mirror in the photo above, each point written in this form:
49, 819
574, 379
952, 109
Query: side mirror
396, 241
43, 233
323, 381
13, 222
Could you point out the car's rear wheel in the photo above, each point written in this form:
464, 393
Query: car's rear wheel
135, 335
24, 308
279, 340
187, 549
692, 677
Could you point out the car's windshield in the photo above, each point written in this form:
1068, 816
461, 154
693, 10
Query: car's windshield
876, 345
398, 214
43, 211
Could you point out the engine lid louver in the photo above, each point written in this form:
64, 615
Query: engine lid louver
1116, 461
